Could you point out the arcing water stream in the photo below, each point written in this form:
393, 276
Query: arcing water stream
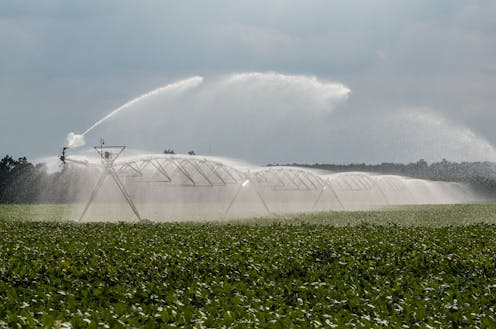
75, 140
169, 186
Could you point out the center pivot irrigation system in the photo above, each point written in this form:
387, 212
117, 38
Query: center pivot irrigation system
147, 178
193, 171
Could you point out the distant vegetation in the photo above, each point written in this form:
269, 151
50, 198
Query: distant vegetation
24, 182
481, 175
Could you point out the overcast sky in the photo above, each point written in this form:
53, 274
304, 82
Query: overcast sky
421, 76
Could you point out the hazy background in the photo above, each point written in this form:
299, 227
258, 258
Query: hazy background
422, 76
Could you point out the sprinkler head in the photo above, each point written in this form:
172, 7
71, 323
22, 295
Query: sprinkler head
62, 156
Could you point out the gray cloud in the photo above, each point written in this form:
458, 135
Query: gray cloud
64, 64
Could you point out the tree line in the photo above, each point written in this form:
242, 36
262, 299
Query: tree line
24, 182
480, 175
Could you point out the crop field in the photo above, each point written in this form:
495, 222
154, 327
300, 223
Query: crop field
430, 267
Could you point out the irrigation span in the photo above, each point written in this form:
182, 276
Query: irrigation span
174, 187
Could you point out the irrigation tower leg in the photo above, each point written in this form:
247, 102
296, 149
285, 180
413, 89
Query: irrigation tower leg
337, 197
258, 194
93, 194
233, 199
125, 193
329, 186
382, 192
318, 198
119, 185
263, 201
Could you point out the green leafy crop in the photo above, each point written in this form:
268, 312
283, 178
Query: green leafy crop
277, 273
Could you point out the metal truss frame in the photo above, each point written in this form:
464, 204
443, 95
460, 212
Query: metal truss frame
197, 171
109, 155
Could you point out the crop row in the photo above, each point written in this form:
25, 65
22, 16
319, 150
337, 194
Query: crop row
239, 275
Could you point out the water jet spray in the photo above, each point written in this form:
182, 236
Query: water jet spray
186, 181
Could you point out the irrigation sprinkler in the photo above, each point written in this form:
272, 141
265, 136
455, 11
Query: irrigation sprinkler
157, 179
108, 156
